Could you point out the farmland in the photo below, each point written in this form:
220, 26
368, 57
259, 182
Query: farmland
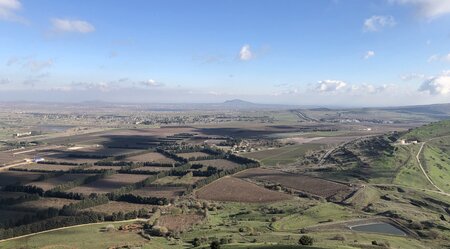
159, 191
217, 163
14, 177
192, 155
115, 207
285, 155
45, 167
108, 184
53, 182
182, 180
150, 157
43, 203
240, 182
297, 182
236, 190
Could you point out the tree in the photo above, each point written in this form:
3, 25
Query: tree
215, 245
306, 240
196, 242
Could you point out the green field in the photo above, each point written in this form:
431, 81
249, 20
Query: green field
86, 237
284, 155
322, 213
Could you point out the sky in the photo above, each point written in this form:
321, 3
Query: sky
309, 52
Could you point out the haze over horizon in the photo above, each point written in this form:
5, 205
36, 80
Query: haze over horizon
325, 53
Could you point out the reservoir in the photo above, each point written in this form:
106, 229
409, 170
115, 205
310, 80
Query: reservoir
378, 228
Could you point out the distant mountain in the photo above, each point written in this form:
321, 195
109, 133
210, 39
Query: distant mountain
238, 102
435, 110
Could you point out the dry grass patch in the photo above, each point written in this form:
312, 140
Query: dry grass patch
218, 163
46, 167
159, 191
237, 190
150, 157
115, 207
52, 182
108, 184
44, 203
302, 183
18, 177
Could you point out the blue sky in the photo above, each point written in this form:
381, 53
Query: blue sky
312, 52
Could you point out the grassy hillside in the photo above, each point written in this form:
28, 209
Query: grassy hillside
430, 131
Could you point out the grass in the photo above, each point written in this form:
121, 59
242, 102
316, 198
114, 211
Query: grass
409, 173
437, 165
86, 237
284, 155
323, 212
433, 130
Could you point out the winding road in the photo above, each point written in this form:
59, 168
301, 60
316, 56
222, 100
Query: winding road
425, 173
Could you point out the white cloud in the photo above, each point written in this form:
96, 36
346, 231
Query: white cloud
8, 9
369, 54
427, 8
438, 85
75, 26
412, 76
245, 54
151, 83
38, 65
377, 23
85, 86
330, 85
365, 89
438, 57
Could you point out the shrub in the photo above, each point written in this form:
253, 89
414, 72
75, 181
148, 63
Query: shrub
339, 237
110, 228
215, 245
306, 240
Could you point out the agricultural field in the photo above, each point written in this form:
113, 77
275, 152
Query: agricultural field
217, 163
18, 177
237, 190
11, 195
45, 167
6, 215
115, 207
150, 157
95, 168
108, 184
312, 185
151, 169
257, 207
159, 191
182, 180
53, 182
285, 155
192, 155
10, 158
63, 157
101, 152
43, 204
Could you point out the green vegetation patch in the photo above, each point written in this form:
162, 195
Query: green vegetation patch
284, 155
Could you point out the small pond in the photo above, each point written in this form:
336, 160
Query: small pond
378, 228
